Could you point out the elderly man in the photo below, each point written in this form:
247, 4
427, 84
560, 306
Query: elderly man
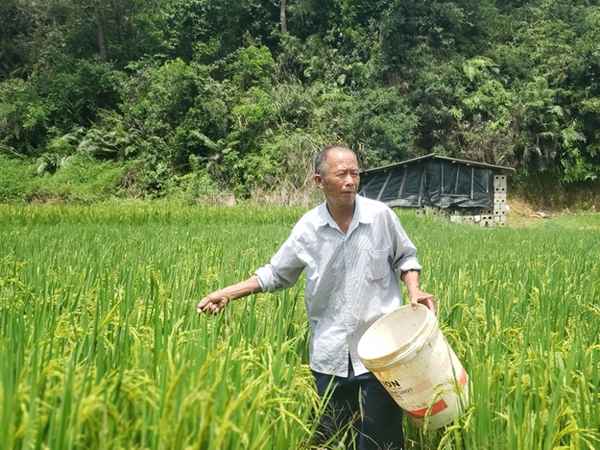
353, 250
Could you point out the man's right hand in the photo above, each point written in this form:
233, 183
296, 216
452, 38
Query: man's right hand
216, 301
212, 303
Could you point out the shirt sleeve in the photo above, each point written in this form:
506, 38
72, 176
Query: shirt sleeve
283, 270
404, 255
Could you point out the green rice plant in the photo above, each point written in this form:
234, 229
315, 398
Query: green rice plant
102, 348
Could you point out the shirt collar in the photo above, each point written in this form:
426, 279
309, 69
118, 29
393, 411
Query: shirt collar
361, 213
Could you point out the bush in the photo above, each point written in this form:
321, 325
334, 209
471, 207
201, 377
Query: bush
249, 66
197, 184
383, 124
16, 179
76, 90
77, 177
110, 138
24, 117
178, 109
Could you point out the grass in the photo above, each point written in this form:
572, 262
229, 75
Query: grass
101, 346
82, 179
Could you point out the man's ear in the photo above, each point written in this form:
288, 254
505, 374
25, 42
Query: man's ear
318, 180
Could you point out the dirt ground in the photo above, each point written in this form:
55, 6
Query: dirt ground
522, 214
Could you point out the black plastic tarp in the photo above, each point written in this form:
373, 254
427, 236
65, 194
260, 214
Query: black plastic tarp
433, 182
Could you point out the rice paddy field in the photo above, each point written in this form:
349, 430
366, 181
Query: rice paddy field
101, 348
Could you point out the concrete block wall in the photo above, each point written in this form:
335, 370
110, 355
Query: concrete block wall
500, 200
495, 217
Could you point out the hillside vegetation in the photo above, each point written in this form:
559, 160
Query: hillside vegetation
144, 98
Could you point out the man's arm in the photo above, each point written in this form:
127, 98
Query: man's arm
282, 272
216, 301
405, 263
415, 294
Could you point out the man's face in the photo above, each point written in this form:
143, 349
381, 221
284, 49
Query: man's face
339, 178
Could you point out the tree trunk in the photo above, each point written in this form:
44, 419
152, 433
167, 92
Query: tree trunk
100, 41
283, 15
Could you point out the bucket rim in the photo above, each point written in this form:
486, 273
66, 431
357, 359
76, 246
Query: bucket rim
412, 346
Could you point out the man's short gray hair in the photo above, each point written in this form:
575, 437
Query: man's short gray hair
321, 157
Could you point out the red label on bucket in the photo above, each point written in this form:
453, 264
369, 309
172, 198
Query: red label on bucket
435, 408
440, 405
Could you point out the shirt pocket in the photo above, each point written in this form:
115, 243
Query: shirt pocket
378, 265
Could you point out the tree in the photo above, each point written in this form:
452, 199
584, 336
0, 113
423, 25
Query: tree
283, 15
15, 37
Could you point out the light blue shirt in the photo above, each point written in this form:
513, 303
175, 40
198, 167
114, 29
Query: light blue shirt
351, 278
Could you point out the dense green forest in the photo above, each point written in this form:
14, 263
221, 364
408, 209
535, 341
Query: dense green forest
155, 95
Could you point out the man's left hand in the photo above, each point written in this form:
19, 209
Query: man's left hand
424, 299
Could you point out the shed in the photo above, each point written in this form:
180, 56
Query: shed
467, 191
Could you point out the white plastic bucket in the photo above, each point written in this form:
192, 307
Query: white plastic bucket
410, 356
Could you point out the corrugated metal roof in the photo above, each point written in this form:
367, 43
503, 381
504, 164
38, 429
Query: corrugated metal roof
434, 156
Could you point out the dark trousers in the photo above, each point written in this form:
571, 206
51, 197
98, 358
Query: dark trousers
360, 402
